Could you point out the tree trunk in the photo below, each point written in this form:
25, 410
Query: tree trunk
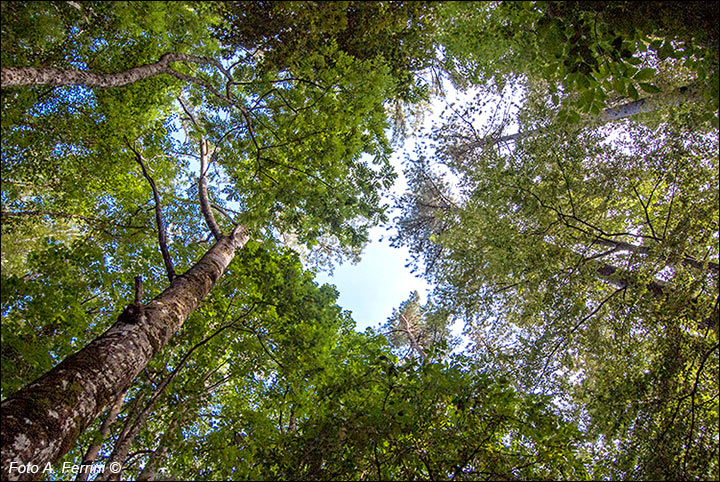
42, 421
413, 341
159, 455
677, 97
95, 446
22, 76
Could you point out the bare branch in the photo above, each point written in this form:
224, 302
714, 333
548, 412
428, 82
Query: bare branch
575, 328
222, 211
162, 240
202, 181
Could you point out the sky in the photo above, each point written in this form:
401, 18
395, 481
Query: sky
381, 281
371, 288
376, 285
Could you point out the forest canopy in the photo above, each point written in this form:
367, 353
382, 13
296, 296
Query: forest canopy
175, 174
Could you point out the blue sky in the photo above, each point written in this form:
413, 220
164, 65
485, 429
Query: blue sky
380, 281
371, 288
376, 285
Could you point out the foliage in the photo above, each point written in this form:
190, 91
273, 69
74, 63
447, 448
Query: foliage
590, 54
584, 261
396, 33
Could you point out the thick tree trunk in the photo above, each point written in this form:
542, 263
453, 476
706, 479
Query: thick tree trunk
42, 421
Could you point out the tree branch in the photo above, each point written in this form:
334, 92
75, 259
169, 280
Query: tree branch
23, 76
686, 261
162, 240
57, 214
94, 448
202, 181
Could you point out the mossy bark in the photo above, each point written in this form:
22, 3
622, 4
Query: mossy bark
42, 421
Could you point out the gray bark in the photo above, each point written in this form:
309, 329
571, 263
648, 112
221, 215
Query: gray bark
42, 421
203, 192
640, 106
162, 237
23, 76
94, 448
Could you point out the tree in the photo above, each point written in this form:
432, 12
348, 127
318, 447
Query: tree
399, 32
417, 330
594, 246
583, 257
589, 53
284, 146
136, 134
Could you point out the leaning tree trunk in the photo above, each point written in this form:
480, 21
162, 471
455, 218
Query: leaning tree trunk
42, 421
678, 96
34, 76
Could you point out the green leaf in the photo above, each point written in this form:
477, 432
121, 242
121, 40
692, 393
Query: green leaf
644, 74
649, 88
632, 92
666, 50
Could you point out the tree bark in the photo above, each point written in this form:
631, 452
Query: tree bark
413, 341
42, 421
203, 191
23, 76
95, 447
640, 106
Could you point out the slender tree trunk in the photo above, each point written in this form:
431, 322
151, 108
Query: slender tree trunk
95, 446
159, 455
42, 421
203, 191
22, 76
678, 96
413, 341
122, 444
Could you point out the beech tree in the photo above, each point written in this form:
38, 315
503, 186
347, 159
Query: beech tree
284, 146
